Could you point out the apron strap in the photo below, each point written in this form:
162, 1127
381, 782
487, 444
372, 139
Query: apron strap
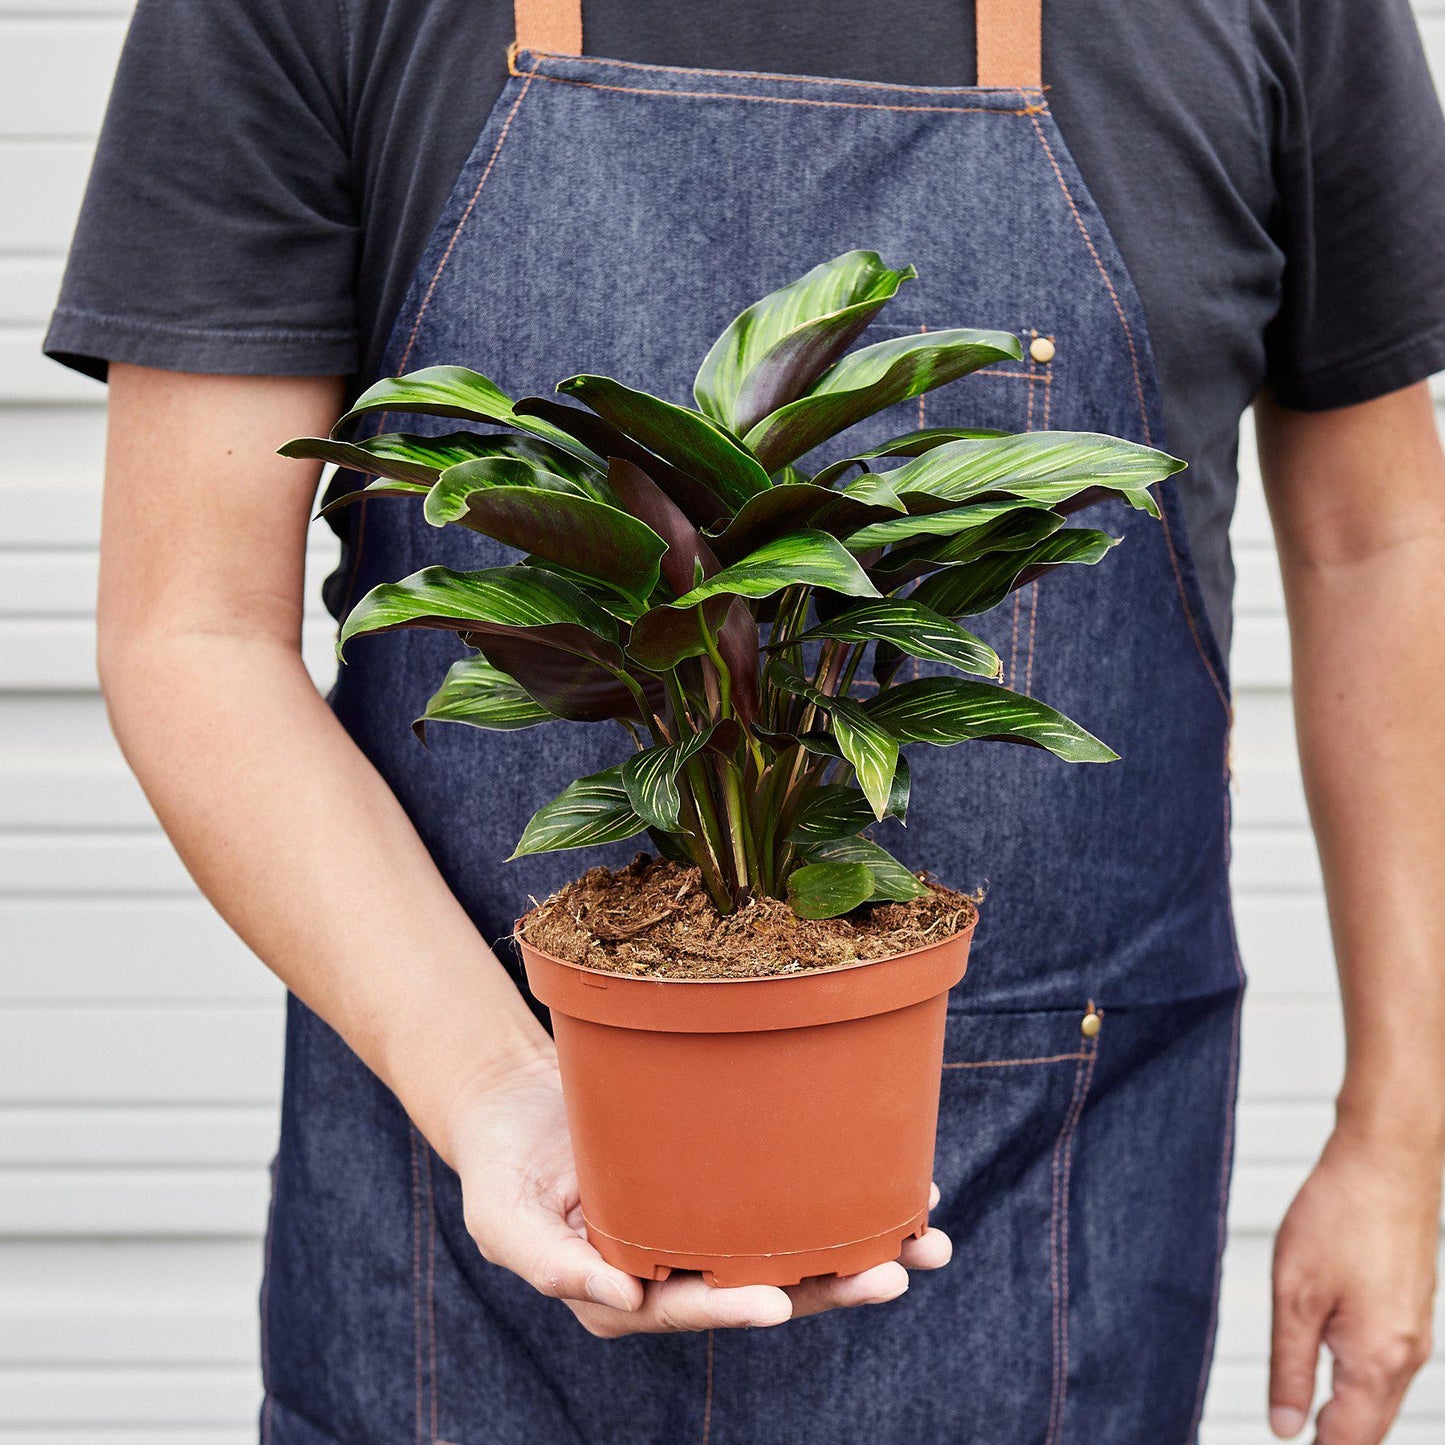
1010, 44
551, 26
1010, 37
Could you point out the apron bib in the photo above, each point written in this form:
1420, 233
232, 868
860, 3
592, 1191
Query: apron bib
613, 217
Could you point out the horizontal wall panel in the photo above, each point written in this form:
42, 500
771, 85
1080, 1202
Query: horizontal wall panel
181, 1302
214, 1396
40, 1203
125, 948
133, 1054
28, 284
165, 1137
82, 49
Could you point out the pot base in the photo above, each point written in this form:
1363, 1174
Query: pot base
725, 1271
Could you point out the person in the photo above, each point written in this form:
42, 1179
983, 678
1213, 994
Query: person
1183, 209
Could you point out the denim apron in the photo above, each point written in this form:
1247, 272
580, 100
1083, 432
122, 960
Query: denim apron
612, 218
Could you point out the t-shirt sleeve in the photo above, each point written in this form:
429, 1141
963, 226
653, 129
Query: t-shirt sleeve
1360, 175
218, 231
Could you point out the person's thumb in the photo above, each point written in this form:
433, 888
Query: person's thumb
539, 1245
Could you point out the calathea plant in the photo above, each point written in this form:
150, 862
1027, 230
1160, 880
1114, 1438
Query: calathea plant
687, 577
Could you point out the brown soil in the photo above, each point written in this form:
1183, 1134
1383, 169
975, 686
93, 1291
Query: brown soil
654, 919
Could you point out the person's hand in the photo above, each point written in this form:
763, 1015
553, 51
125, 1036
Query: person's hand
510, 1146
1354, 1269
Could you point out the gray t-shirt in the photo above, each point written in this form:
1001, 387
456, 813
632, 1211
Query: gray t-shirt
1273, 172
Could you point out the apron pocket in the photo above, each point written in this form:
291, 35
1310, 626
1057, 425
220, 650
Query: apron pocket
1013, 1091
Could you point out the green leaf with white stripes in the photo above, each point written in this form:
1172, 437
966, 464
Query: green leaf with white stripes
955, 520
892, 882
482, 696
585, 814
455, 391
868, 380
650, 778
800, 559
691, 442
871, 749
947, 710
978, 586
401, 457
523, 506
780, 345
833, 811
1045, 466
911, 628
910, 444
828, 890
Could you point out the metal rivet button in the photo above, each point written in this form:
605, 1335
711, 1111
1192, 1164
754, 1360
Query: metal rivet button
1090, 1025
1041, 349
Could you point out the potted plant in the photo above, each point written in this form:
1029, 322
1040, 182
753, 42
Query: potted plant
749, 1024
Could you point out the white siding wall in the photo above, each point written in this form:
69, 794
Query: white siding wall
140, 1043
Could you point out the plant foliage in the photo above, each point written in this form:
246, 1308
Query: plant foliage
685, 576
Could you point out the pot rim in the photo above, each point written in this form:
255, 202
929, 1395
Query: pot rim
767, 1002
802, 973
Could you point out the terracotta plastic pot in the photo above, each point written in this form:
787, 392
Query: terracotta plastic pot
758, 1130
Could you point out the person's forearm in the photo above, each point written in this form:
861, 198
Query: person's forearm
1368, 635
299, 843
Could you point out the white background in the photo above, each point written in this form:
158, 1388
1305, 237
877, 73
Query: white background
140, 1045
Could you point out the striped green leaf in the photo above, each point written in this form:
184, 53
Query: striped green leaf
685, 438
806, 559
400, 457
872, 750
976, 587
482, 696
871, 379
910, 444
650, 778
1047, 467
891, 881
456, 392
828, 890
523, 506
467, 601
832, 811
585, 814
947, 710
936, 524
913, 629
780, 345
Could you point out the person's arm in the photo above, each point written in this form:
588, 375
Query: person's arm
299, 843
1357, 497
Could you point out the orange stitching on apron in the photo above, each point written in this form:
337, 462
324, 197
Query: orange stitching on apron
1226, 1164
1059, 1243
1010, 1063
1013, 651
785, 99
421, 312
1108, 281
1189, 617
512, 51
707, 1397
419, 1433
1033, 626
1143, 409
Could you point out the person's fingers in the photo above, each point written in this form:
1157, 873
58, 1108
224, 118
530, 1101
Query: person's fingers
1301, 1308
554, 1258
932, 1250
874, 1286
687, 1302
933, 1196
1371, 1374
